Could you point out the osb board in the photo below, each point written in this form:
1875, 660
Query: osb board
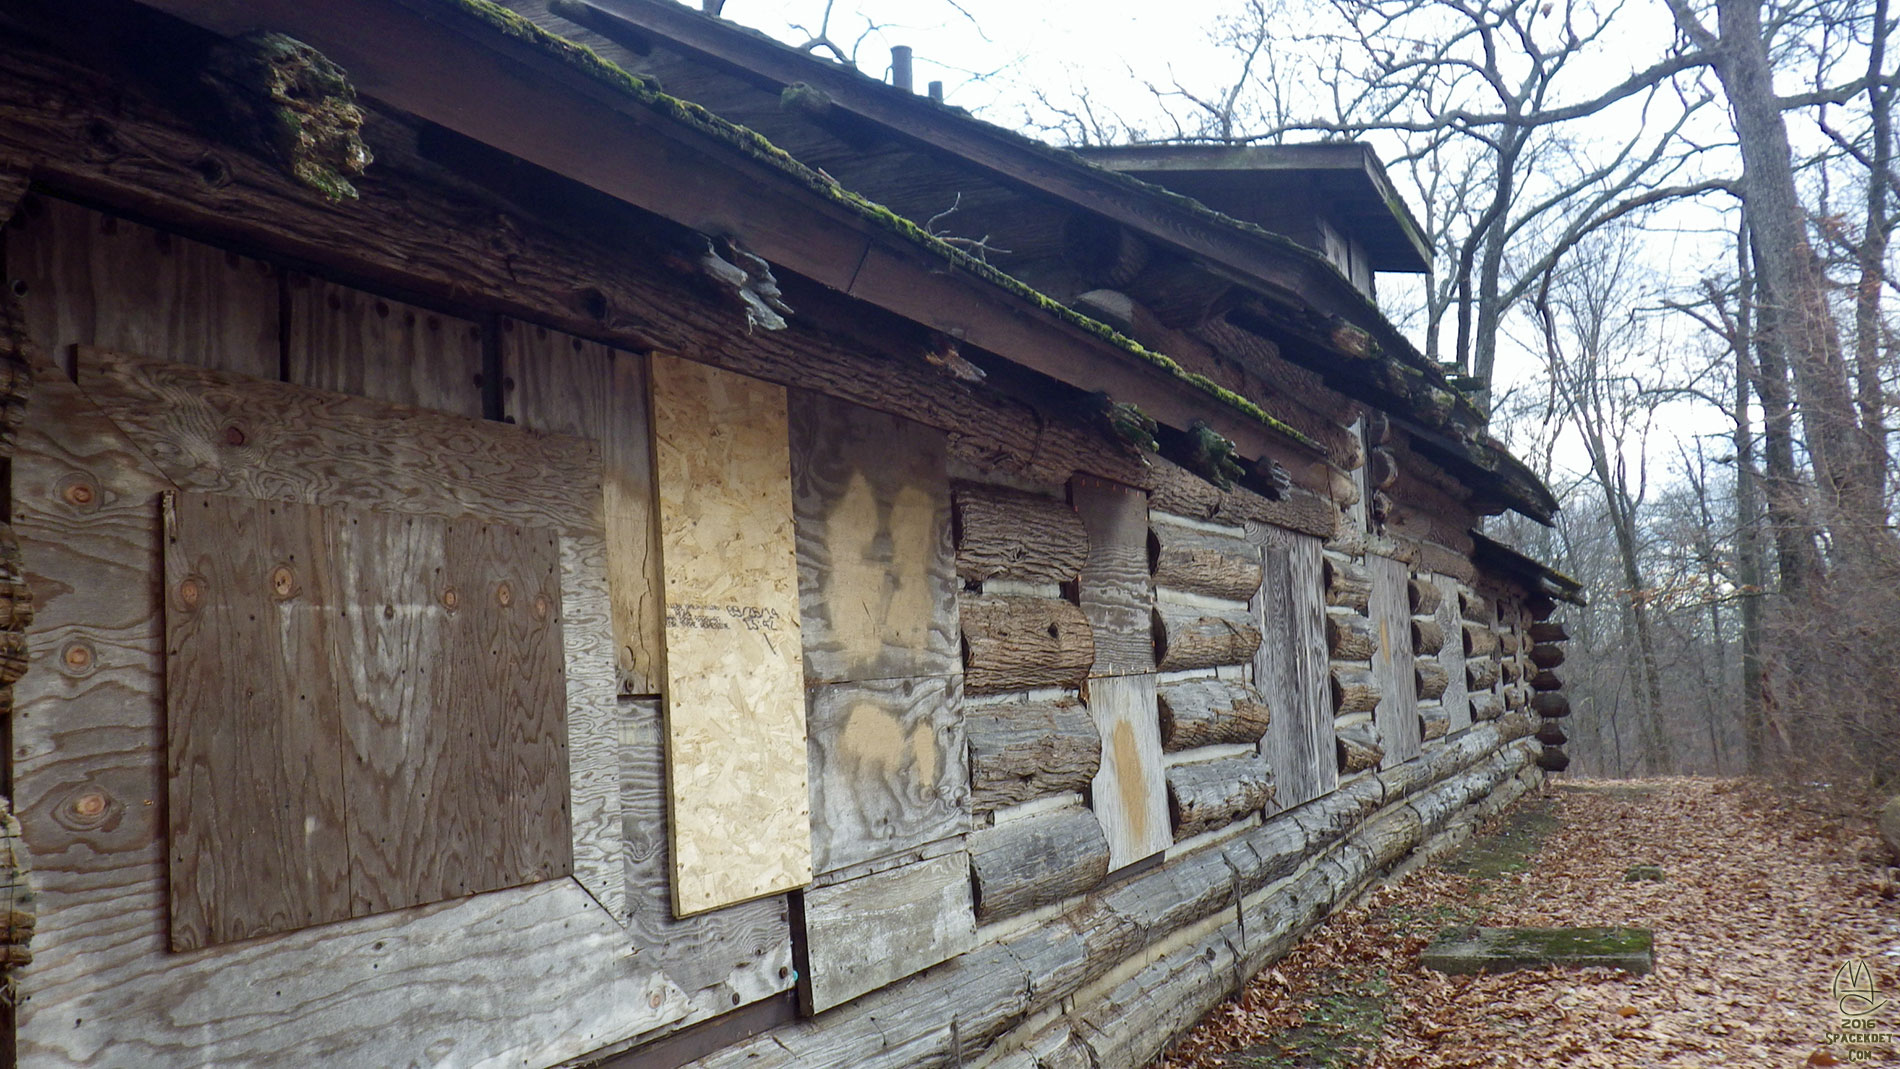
740, 809
566, 385
1115, 589
1290, 668
365, 711
719, 959
94, 279
223, 433
1456, 700
1392, 664
1130, 792
354, 342
888, 768
862, 934
876, 567
89, 786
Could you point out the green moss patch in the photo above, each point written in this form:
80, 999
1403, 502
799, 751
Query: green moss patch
1340, 1030
1508, 849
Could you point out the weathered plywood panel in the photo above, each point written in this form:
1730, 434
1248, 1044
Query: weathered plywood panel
1391, 613
1115, 589
566, 385
718, 959
257, 796
736, 762
876, 567
352, 342
93, 279
862, 934
223, 433
1456, 699
593, 723
1130, 793
1290, 668
888, 768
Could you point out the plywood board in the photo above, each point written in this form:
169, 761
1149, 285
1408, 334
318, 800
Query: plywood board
876, 568
1115, 589
862, 934
553, 976
740, 811
349, 341
719, 959
888, 768
565, 385
224, 433
593, 723
1130, 793
259, 828
1457, 700
405, 669
1392, 667
94, 279
1290, 669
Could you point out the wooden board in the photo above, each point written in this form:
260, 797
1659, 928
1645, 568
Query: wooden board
89, 784
1115, 589
877, 571
1456, 699
352, 342
1290, 670
719, 959
863, 934
593, 723
1391, 614
397, 679
566, 385
259, 829
887, 766
1129, 794
740, 812
94, 279
223, 433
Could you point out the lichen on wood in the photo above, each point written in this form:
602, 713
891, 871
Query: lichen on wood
290, 102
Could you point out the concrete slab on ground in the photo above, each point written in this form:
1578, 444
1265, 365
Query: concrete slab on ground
1461, 951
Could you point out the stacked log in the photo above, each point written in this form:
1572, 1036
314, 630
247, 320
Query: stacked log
1021, 864
1357, 738
1429, 639
1546, 697
1352, 641
1201, 562
1027, 751
1211, 794
1010, 534
1210, 712
1193, 637
1015, 640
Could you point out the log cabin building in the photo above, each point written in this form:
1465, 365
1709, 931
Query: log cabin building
672, 552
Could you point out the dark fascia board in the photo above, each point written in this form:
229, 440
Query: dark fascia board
1351, 172
1239, 252
1489, 552
484, 72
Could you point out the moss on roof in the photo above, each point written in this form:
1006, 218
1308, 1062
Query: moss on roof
647, 93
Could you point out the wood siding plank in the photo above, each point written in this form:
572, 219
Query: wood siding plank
1290, 668
349, 341
1391, 613
888, 768
1115, 589
1456, 699
222, 433
570, 386
876, 567
593, 723
257, 798
1129, 793
862, 934
718, 959
736, 762
95, 279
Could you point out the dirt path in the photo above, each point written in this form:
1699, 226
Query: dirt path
1761, 901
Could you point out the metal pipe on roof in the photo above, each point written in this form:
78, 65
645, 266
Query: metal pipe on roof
901, 76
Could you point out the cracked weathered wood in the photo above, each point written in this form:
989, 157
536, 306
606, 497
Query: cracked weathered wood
1205, 712
1011, 534
1020, 752
1348, 585
1210, 794
1203, 562
1034, 860
1017, 643
1350, 636
1188, 637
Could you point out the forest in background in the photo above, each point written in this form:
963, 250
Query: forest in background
1663, 236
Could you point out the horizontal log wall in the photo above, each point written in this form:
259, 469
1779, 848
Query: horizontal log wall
1283, 877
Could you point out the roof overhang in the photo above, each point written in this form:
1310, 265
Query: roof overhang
1495, 555
1345, 176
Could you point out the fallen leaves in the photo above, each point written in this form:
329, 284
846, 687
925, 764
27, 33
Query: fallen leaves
1762, 899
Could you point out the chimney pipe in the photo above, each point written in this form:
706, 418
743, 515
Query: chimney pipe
936, 91
900, 68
